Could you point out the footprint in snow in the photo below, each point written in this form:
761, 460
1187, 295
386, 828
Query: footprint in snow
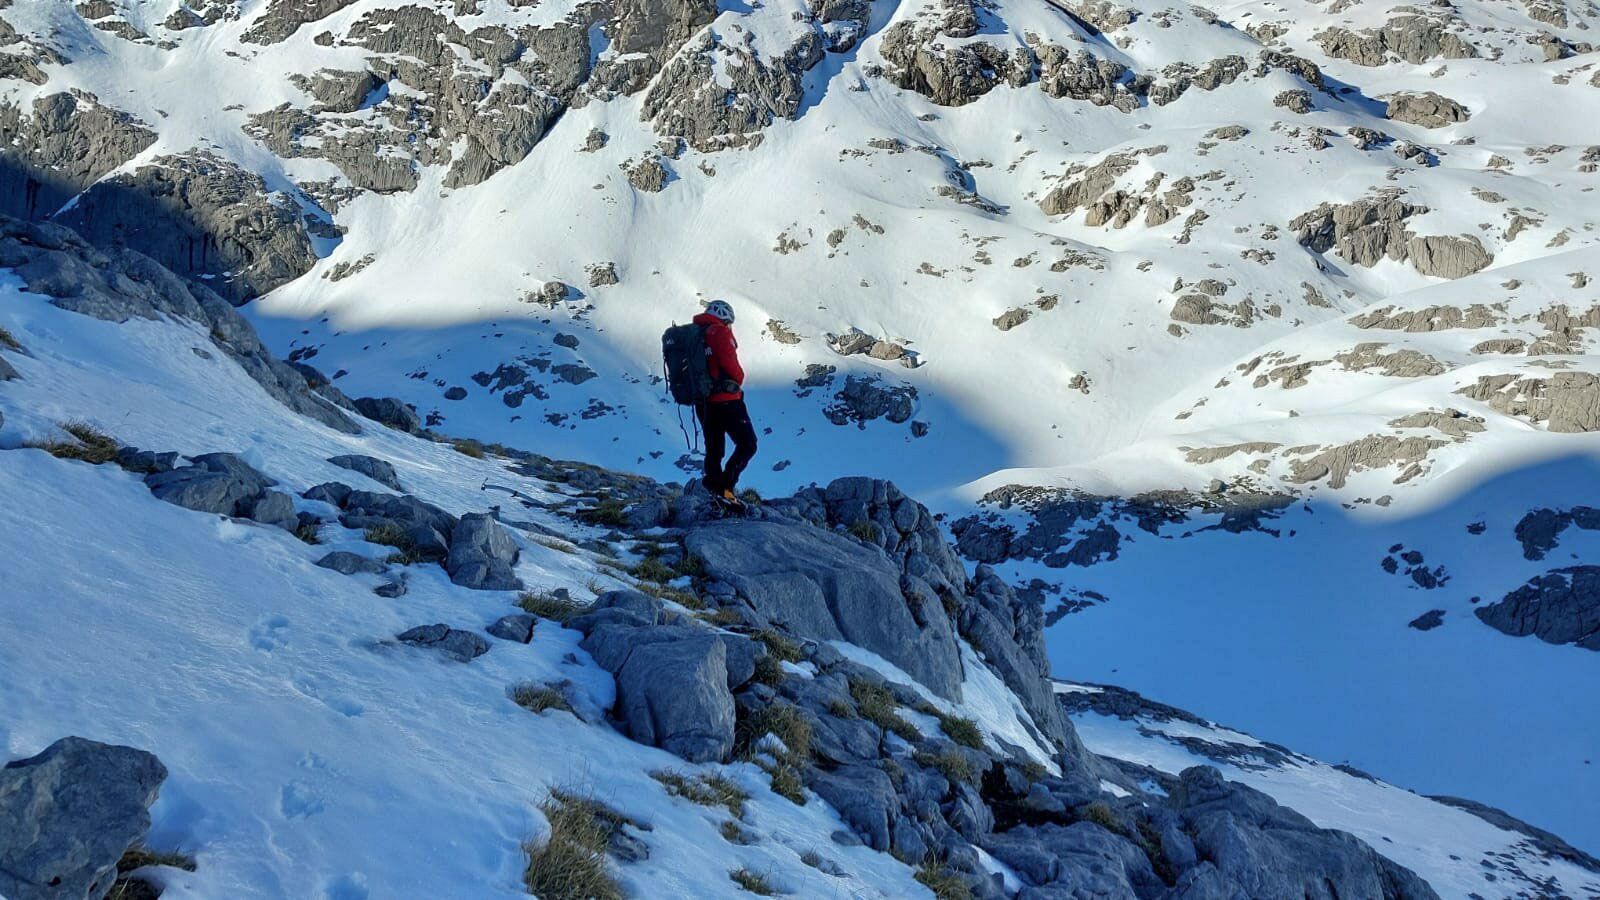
268, 635
352, 886
339, 703
299, 801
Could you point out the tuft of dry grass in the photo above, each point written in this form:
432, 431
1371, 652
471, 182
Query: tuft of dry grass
951, 763
9, 342
571, 863
387, 535
138, 857
962, 730
945, 884
863, 530
752, 882
877, 705
546, 605
537, 698
705, 789
89, 444
469, 447
782, 647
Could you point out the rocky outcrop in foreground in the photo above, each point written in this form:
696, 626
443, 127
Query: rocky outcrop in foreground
69, 814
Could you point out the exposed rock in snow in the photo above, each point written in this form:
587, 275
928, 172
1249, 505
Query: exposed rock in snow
1564, 402
1561, 606
68, 814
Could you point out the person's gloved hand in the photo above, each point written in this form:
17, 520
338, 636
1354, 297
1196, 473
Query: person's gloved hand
728, 386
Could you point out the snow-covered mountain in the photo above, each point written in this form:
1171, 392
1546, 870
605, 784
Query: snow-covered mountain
1236, 339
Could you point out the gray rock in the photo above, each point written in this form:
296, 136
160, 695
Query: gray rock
219, 483
69, 142
674, 695
1270, 851
199, 215
865, 799
482, 555
346, 563
1428, 621
1565, 401
123, 285
824, 586
389, 590
331, 492
378, 470
515, 627
273, 508
396, 414
146, 461
68, 814
1561, 606
462, 646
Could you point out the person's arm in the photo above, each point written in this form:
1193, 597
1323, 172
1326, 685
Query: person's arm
726, 353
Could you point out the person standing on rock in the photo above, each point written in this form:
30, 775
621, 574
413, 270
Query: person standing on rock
723, 414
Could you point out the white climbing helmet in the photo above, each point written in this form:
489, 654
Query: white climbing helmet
721, 310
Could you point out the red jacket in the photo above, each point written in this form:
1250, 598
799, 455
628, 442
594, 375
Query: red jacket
724, 358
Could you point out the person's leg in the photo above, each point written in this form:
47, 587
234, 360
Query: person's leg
736, 423
716, 444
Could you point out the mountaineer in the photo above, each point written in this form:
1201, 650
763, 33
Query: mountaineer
703, 370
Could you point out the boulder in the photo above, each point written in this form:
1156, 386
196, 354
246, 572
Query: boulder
396, 414
220, 483
482, 555
346, 563
515, 627
68, 814
273, 508
824, 586
331, 492
865, 799
372, 467
674, 695
463, 646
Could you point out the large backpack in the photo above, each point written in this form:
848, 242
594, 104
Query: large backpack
683, 353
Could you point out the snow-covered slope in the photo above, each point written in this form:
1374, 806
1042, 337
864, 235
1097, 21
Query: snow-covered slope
1088, 277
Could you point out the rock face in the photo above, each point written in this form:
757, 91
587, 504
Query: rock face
68, 814
1561, 606
199, 215
1371, 229
67, 142
1564, 402
120, 285
224, 484
482, 555
1253, 846
824, 586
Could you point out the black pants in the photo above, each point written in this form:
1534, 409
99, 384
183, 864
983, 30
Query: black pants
720, 421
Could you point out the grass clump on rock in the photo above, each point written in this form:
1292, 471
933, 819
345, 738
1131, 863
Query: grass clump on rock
549, 605
390, 535
962, 730
9, 342
571, 863
945, 884
864, 530
780, 646
951, 763
877, 705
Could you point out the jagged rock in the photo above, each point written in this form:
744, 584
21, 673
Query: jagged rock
1429, 110
865, 799
1368, 230
823, 586
1403, 363
1372, 452
1565, 402
1539, 530
1428, 621
716, 94
395, 413
863, 399
68, 814
123, 285
378, 470
1561, 606
220, 483
146, 461
648, 175
462, 646
1267, 850
283, 18
69, 142
346, 563
1413, 38
1009, 632
515, 627
339, 91
427, 527
199, 215
331, 492
482, 555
